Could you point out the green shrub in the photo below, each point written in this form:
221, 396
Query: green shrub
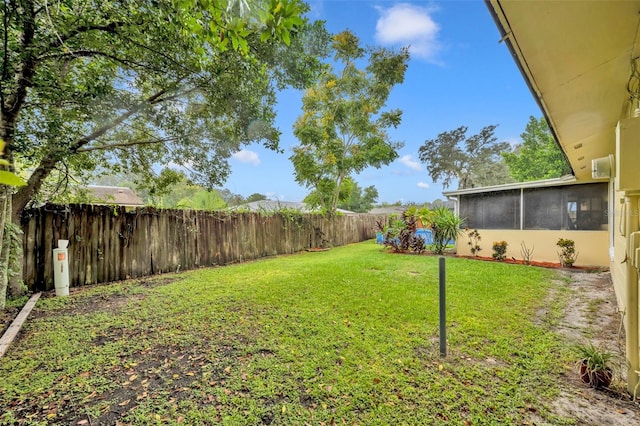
445, 227
499, 250
568, 254
474, 239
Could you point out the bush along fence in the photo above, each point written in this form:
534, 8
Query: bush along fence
108, 243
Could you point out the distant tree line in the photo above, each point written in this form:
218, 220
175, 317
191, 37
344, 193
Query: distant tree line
482, 160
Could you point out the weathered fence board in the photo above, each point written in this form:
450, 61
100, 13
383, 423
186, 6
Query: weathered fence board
109, 243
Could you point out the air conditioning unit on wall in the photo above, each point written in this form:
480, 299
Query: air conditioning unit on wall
602, 168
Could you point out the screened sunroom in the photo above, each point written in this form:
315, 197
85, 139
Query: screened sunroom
535, 215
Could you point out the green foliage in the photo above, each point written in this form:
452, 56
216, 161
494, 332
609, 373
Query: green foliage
539, 156
11, 179
233, 199
126, 87
157, 186
354, 198
596, 359
255, 197
400, 233
343, 128
490, 173
473, 160
594, 365
423, 215
568, 254
446, 226
499, 250
6, 177
231, 24
203, 200
240, 344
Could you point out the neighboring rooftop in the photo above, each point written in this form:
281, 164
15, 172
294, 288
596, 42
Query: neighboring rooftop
274, 206
388, 210
113, 195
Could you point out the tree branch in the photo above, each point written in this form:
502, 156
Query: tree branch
163, 55
151, 100
125, 144
60, 40
48, 163
92, 53
22, 78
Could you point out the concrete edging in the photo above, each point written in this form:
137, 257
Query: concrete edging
16, 325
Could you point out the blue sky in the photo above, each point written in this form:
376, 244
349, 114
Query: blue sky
459, 74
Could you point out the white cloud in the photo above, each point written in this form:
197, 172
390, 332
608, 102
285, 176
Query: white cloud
408, 24
423, 185
411, 163
246, 156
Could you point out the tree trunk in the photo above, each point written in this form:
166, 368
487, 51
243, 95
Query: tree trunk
335, 196
16, 242
4, 268
21, 198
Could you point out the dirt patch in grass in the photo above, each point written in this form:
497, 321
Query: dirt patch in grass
7, 316
593, 316
90, 299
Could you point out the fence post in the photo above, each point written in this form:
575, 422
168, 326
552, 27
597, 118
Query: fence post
443, 307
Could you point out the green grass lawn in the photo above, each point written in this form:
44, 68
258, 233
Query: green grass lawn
347, 336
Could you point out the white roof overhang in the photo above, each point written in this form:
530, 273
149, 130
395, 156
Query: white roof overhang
576, 57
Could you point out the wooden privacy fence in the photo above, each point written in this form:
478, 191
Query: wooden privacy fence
108, 243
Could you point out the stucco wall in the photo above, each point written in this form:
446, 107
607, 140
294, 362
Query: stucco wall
592, 246
618, 268
619, 264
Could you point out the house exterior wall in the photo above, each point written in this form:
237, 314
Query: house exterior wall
592, 246
617, 267
582, 113
624, 274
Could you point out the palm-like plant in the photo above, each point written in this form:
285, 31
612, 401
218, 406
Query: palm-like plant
446, 226
594, 365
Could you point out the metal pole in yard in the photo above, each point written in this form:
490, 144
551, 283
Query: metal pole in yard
443, 308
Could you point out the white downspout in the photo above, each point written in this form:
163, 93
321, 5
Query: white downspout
631, 224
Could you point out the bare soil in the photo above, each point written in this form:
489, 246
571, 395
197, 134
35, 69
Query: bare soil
7, 316
594, 316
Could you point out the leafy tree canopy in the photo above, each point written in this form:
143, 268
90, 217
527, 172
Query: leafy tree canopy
343, 128
356, 199
539, 156
491, 173
203, 199
129, 85
453, 155
255, 197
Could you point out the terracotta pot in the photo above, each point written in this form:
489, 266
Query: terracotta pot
595, 379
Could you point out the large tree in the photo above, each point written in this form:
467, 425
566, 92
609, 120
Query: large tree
453, 155
134, 84
491, 173
538, 156
343, 128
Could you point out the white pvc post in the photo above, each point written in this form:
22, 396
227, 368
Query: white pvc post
61, 268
